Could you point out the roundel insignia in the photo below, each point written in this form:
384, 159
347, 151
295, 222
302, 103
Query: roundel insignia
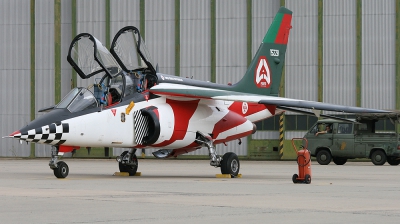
245, 107
262, 73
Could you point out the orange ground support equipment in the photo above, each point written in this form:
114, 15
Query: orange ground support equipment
304, 162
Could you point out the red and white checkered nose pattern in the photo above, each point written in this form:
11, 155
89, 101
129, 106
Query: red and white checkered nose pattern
50, 134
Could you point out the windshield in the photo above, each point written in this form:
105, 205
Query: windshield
68, 98
78, 99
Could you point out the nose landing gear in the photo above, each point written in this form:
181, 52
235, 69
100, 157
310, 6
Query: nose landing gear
60, 168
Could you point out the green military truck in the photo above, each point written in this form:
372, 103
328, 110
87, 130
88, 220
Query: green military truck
355, 139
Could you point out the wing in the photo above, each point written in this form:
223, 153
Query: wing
187, 91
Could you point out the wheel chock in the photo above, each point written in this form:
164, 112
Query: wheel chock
123, 174
227, 176
126, 174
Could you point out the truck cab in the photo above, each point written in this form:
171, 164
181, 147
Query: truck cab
339, 140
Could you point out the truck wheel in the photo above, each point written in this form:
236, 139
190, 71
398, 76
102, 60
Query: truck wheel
394, 161
378, 157
324, 157
339, 161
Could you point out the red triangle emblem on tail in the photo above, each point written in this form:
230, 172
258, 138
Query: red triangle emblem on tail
262, 73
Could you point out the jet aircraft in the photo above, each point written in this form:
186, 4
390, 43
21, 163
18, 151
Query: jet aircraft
133, 106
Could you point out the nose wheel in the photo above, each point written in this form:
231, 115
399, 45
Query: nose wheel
62, 170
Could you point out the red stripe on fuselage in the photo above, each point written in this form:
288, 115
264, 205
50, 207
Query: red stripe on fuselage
283, 33
229, 121
183, 111
253, 108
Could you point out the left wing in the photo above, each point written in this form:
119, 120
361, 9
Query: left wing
187, 91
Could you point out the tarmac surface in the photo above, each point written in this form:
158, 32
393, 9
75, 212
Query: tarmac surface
186, 191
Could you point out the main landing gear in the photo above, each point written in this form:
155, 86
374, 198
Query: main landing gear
60, 168
229, 162
128, 162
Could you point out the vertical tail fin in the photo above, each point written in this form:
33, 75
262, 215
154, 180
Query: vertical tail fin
264, 73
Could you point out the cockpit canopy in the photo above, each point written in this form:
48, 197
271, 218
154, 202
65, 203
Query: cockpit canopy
130, 50
126, 69
88, 57
123, 85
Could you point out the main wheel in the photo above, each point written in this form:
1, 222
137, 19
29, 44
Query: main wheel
62, 170
230, 164
378, 157
131, 169
394, 161
324, 157
339, 161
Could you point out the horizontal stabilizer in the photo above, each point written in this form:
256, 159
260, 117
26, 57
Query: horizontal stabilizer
313, 114
278, 101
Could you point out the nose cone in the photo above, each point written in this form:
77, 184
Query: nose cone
15, 134
47, 129
48, 134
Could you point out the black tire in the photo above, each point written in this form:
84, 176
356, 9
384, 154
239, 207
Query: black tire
394, 161
378, 158
131, 169
339, 161
307, 179
324, 157
230, 164
294, 178
62, 170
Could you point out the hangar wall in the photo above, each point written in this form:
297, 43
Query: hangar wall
378, 54
194, 35
340, 52
14, 73
301, 71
